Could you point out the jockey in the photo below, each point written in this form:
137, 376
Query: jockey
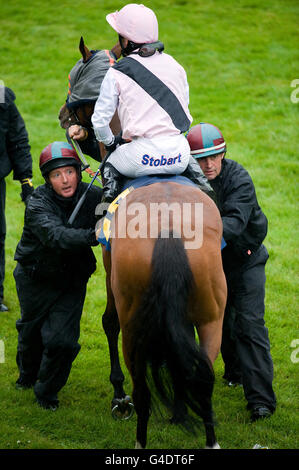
150, 92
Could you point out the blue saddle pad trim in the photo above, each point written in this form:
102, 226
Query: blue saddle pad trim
150, 179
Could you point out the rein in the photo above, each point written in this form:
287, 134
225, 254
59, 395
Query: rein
86, 166
74, 120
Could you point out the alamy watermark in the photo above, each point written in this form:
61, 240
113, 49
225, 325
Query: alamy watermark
2, 351
2, 92
138, 220
295, 94
295, 353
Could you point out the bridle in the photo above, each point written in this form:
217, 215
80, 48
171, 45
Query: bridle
72, 120
73, 116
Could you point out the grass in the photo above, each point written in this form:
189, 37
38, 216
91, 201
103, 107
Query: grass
240, 57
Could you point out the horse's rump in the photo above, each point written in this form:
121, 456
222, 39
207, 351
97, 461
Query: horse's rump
162, 209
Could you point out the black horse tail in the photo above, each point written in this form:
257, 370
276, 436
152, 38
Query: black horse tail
165, 352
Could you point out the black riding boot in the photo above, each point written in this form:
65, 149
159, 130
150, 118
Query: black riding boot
196, 175
112, 180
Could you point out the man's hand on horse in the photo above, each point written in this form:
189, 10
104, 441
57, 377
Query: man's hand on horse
77, 132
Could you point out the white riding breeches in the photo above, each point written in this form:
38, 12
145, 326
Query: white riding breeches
160, 155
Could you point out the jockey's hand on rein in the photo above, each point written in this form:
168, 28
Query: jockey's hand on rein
118, 140
77, 132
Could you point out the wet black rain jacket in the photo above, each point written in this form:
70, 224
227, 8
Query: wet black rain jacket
14, 147
51, 250
244, 224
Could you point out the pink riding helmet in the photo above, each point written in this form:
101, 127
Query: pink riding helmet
136, 23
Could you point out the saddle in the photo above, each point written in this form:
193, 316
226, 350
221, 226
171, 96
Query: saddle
151, 179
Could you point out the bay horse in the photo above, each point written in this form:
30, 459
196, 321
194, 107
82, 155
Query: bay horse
159, 290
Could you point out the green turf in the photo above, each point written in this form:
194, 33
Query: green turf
240, 57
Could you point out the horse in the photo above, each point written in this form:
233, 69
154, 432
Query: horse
158, 290
161, 289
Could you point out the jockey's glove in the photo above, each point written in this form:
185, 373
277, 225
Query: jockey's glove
27, 189
117, 140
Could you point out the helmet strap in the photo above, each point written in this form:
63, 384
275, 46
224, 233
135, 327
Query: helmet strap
147, 50
130, 47
144, 50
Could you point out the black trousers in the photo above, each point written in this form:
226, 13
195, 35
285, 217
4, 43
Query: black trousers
2, 235
245, 345
48, 331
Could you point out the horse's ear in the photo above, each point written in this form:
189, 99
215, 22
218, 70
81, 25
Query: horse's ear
85, 52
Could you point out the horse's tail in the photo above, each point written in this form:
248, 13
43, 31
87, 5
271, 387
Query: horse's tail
164, 345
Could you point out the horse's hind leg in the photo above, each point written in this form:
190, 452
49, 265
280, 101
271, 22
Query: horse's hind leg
121, 403
210, 340
111, 327
211, 442
210, 336
141, 394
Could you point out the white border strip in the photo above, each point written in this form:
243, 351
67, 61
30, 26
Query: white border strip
216, 147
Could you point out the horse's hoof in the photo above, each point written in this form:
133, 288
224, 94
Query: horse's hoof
122, 408
138, 445
214, 446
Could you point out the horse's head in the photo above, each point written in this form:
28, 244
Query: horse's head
78, 115
85, 80
82, 113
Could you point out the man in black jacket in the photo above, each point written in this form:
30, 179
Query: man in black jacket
55, 261
14, 156
245, 344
